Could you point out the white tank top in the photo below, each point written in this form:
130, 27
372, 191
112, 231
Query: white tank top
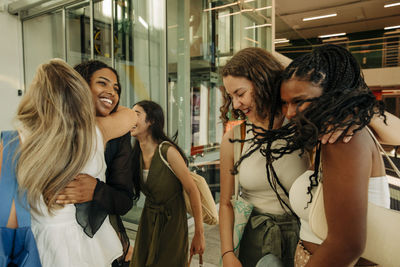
378, 193
254, 182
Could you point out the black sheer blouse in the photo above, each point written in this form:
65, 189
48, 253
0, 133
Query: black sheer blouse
115, 197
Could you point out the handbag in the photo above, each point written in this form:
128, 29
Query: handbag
209, 209
383, 235
17, 246
241, 208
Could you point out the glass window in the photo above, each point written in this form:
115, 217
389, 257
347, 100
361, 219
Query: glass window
43, 40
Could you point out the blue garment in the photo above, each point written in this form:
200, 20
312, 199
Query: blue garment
17, 246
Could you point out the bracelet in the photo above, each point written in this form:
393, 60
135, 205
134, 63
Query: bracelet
223, 254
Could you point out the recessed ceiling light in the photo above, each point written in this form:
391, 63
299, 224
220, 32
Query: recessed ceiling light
257, 26
392, 4
392, 27
282, 40
320, 17
332, 35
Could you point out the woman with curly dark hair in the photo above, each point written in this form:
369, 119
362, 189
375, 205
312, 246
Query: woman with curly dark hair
322, 92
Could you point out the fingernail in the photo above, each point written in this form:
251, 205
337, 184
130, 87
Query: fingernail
347, 139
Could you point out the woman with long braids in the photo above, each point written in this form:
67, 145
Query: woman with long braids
322, 92
250, 79
162, 237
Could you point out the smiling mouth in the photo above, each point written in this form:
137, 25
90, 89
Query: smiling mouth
106, 100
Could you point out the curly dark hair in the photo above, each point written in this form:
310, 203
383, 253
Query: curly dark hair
346, 101
262, 69
87, 68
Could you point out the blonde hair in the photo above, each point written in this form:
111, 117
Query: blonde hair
57, 119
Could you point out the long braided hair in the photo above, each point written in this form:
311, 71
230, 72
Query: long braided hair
262, 69
346, 102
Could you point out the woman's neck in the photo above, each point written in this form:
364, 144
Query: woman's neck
147, 145
278, 121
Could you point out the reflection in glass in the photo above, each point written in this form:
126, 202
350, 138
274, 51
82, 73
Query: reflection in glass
47, 27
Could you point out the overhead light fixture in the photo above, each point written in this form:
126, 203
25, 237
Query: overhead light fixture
235, 13
392, 4
257, 26
251, 40
282, 40
320, 17
262, 8
335, 39
219, 7
392, 27
332, 35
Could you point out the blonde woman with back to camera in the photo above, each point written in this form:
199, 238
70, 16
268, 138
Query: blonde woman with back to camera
61, 137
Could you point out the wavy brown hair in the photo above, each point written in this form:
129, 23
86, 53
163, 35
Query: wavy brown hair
56, 117
262, 69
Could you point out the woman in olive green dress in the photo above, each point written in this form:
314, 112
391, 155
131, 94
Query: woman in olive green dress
162, 238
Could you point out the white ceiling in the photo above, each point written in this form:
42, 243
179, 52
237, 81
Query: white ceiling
352, 16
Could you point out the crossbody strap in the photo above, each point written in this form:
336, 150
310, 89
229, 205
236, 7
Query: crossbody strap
239, 132
162, 157
384, 152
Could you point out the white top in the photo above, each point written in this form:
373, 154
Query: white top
378, 193
145, 175
62, 242
254, 182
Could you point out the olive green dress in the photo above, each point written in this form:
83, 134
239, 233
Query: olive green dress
162, 238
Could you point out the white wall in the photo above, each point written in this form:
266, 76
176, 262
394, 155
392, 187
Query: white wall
11, 67
382, 77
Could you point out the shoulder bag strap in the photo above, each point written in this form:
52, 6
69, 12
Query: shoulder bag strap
384, 152
162, 157
239, 132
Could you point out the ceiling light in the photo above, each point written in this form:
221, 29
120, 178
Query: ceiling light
251, 40
320, 17
282, 40
332, 35
262, 8
335, 39
257, 26
392, 27
219, 7
392, 4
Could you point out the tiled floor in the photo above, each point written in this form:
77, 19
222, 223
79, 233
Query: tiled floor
211, 255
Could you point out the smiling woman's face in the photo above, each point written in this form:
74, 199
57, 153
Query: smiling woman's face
240, 90
104, 87
293, 91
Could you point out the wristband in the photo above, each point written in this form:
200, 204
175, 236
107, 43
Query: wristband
223, 254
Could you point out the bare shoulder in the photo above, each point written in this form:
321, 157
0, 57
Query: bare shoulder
356, 153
